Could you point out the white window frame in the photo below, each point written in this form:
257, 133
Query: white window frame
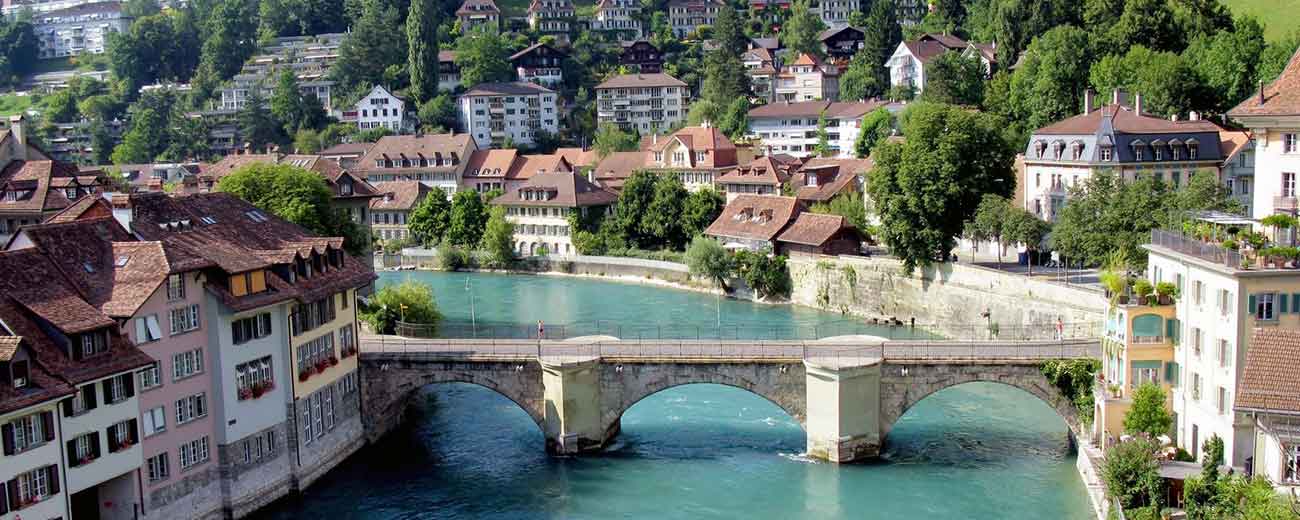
156, 468
155, 420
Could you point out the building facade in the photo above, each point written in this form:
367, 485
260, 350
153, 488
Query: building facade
381, 109
539, 63
685, 16
1273, 117
696, 154
479, 14
792, 127
907, 64
641, 56
622, 16
1269, 396
807, 78
497, 113
1137, 348
553, 17
391, 209
78, 29
540, 208
432, 159
646, 103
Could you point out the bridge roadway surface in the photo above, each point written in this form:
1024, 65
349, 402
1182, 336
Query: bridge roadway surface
840, 351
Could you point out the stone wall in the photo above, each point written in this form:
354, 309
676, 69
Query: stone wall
945, 298
330, 449
195, 495
250, 486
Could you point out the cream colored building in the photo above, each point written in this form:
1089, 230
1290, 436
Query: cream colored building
1273, 117
1137, 348
541, 206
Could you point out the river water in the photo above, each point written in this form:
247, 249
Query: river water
974, 451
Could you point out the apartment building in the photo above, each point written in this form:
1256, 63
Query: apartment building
621, 16
1239, 166
29, 420
1273, 117
448, 71
32, 185
761, 67
78, 29
792, 127
380, 108
1269, 396
500, 113
391, 209
696, 154
907, 64
1137, 348
487, 169
646, 103
1222, 297
540, 207
641, 56
433, 159
479, 14
835, 13
539, 63
1117, 137
685, 16
551, 17
309, 57
807, 78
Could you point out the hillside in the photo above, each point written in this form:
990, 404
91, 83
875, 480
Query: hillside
1278, 16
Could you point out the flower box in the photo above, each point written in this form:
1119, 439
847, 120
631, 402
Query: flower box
245, 393
257, 391
302, 376
334, 361
322, 365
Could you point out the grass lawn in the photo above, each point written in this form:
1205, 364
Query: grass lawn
1279, 17
11, 104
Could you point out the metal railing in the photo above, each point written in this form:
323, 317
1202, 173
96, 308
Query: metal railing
401, 348
753, 331
1190, 246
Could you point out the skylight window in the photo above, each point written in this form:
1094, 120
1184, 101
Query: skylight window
256, 216
89, 268
208, 220
122, 260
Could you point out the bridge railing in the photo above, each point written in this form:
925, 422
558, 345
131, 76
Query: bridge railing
927, 350
808, 332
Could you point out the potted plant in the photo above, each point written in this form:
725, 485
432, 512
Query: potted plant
1143, 289
302, 376
245, 393
1230, 244
1167, 292
334, 361
258, 390
322, 365
1116, 391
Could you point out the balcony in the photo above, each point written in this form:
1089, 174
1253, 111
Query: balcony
1196, 248
1285, 203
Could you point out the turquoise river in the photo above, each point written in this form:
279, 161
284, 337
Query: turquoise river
974, 451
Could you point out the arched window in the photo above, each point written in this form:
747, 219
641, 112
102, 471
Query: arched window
1148, 326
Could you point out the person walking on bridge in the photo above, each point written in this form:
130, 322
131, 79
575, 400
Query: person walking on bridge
541, 330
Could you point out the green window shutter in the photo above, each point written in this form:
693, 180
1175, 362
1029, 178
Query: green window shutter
1295, 302
1250, 306
1147, 325
1171, 329
1281, 303
1171, 373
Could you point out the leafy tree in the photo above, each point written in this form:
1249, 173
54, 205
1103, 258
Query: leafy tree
848, 205
1016, 23
140, 8
230, 38
101, 142
926, 186
373, 45
18, 49
632, 207
765, 274
1148, 414
1106, 214
1145, 23
60, 106
409, 301
800, 32
1276, 56
1026, 228
990, 222
481, 57
150, 51
188, 139
146, 134
307, 141
422, 49
373, 134
954, 79
286, 101
728, 30
876, 125
858, 81
733, 119
498, 238
662, 220
1048, 86
438, 115
430, 218
468, 218
1201, 18
725, 78
610, 138
1168, 85
1132, 474
294, 194
883, 34
707, 259
257, 124
701, 209
823, 146
1226, 62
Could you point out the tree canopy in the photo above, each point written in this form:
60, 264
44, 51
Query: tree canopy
409, 301
1148, 414
801, 31
430, 218
954, 79
296, 195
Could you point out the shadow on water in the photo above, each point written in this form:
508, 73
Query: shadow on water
706, 451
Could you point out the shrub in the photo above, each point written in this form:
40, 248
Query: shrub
765, 274
1148, 414
410, 301
1142, 288
1166, 289
1132, 474
451, 258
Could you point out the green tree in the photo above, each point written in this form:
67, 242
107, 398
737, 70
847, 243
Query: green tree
1277, 55
876, 126
632, 207
257, 124
409, 301
859, 80
925, 187
1016, 23
498, 238
430, 218
1048, 85
662, 223
60, 107
610, 138
146, 134
422, 49
1026, 228
701, 208
882, 33
18, 49
707, 259
286, 101
1226, 62
1148, 414
294, 194
733, 119
1145, 23
468, 217
1106, 214
990, 222
766, 274
1167, 83
823, 146
438, 115
188, 139
801, 31
849, 205
307, 141
481, 57
954, 79
729, 31
230, 38
140, 8
1132, 474
373, 45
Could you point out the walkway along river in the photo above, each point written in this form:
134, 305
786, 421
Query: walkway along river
973, 451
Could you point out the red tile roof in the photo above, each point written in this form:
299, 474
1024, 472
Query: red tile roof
813, 229
89, 206
834, 176
755, 217
1124, 119
490, 163
1280, 98
568, 190
1268, 380
41, 385
641, 80
618, 166
40, 178
399, 195
528, 165
697, 138
762, 170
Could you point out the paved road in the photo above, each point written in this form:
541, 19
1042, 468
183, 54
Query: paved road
825, 352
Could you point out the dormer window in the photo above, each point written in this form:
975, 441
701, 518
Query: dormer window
20, 373
1106, 153
1159, 152
91, 343
251, 282
1192, 149
379, 163
699, 156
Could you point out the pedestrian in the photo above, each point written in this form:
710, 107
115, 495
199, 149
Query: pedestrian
914, 322
1060, 329
541, 330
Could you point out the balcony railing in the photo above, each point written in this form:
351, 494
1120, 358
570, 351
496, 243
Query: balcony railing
1148, 339
1191, 246
1285, 203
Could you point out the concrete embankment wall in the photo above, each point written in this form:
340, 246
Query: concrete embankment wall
947, 298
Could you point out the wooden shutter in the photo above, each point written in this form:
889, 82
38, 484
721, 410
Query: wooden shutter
134, 434
108, 390
112, 438
89, 394
4, 499
52, 471
94, 445
7, 430
1250, 306
266, 323
47, 424
129, 384
1282, 303
13, 493
1295, 302
73, 459
235, 336
67, 407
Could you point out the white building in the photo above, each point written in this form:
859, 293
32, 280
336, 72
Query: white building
618, 15
791, 128
1273, 117
685, 16
642, 102
835, 13
907, 64
1269, 395
807, 78
495, 112
78, 29
433, 159
539, 63
32, 444
1239, 166
551, 17
478, 14
540, 208
381, 109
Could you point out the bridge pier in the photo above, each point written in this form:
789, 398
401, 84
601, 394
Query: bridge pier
572, 416
843, 422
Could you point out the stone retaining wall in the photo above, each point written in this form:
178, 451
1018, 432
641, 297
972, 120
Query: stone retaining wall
947, 298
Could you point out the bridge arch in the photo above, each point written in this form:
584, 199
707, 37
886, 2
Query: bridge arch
900, 393
389, 387
621, 389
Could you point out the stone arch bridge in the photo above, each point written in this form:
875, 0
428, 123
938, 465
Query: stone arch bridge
847, 393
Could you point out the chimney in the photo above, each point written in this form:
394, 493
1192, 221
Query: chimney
121, 203
1119, 97
20, 136
1261, 92
1193, 116
1089, 98
1137, 104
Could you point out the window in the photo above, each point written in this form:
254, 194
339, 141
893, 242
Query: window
151, 377
1289, 143
194, 452
119, 388
1198, 292
84, 449
1264, 306
308, 317
1223, 400
1196, 386
1105, 153
1198, 340
191, 408
175, 287
187, 364
347, 384
81, 402
250, 328
316, 355
328, 406
254, 378
1145, 375
28, 432
155, 421
122, 436
347, 340
157, 467
185, 319
147, 329
93, 343
1288, 184
1225, 302
34, 486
